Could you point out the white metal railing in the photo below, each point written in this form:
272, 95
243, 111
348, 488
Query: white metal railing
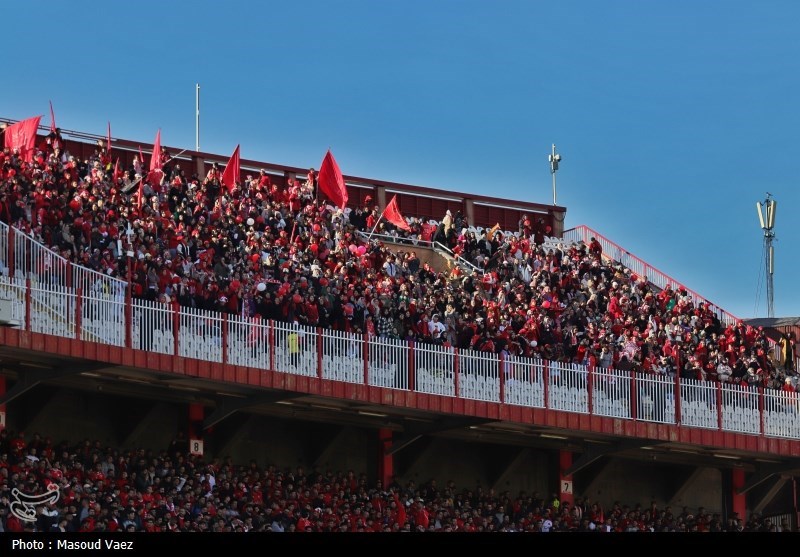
103, 320
4, 270
740, 409
611, 390
655, 398
248, 342
699, 403
478, 375
435, 372
782, 414
200, 334
37, 262
295, 349
152, 328
567, 387
388, 363
53, 311
13, 288
524, 381
342, 356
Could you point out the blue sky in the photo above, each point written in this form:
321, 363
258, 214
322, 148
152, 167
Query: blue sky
673, 118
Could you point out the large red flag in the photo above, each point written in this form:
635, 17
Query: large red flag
331, 182
232, 171
52, 118
154, 176
22, 136
392, 214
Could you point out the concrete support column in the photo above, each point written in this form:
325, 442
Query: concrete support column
469, 212
385, 459
199, 166
738, 501
196, 417
565, 488
380, 193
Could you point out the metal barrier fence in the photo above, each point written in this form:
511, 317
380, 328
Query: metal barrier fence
782, 414
740, 409
435, 371
699, 403
342, 356
567, 387
388, 363
103, 320
655, 398
53, 311
248, 342
295, 349
524, 381
152, 329
14, 289
200, 334
479, 375
611, 390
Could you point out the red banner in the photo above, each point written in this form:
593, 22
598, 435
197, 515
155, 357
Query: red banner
331, 182
392, 214
155, 174
232, 171
22, 136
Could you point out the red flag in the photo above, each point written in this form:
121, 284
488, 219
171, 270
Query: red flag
52, 118
154, 176
117, 171
108, 141
331, 182
392, 214
232, 171
22, 136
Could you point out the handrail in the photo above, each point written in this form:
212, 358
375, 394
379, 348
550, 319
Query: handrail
459, 260
617, 253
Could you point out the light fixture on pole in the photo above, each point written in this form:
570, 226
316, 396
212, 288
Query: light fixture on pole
766, 217
197, 117
554, 159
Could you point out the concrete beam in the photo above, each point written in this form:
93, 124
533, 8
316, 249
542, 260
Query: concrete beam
515, 462
777, 485
594, 452
30, 378
686, 486
762, 474
412, 433
228, 405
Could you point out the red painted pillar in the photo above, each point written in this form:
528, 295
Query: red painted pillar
738, 501
385, 460
196, 417
566, 491
3, 416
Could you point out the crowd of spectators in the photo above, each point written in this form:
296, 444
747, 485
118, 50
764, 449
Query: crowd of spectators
282, 253
101, 489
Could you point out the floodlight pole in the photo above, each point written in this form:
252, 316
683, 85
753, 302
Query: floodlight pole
766, 217
554, 159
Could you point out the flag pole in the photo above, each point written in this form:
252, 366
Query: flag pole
197, 117
376, 226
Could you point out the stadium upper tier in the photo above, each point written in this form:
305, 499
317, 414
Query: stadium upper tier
274, 277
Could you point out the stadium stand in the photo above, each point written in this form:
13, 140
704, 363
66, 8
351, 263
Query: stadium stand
270, 253
102, 489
